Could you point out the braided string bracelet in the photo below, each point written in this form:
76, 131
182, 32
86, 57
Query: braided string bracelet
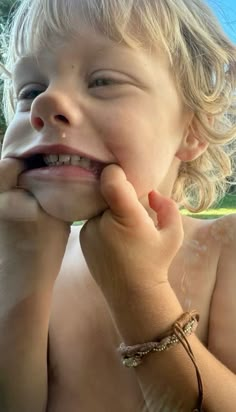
185, 325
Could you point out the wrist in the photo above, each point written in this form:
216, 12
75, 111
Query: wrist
147, 315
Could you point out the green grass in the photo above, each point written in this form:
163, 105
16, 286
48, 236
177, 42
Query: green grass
226, 206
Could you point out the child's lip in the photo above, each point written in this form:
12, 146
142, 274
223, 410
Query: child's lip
97, 164
61, 174
59, 149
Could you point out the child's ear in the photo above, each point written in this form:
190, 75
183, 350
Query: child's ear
192, 146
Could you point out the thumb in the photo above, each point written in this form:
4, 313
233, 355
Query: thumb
168, 215
120, 195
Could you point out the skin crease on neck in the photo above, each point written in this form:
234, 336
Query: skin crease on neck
136, 119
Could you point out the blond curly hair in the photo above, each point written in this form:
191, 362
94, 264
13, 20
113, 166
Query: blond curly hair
202, 57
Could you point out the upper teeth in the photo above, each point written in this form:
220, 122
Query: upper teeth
65, 159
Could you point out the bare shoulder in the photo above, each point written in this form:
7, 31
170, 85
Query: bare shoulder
218, 232
222, 328
224, 229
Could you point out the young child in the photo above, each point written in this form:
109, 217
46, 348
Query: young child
119, 112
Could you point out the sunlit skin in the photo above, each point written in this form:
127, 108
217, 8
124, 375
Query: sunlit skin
119, 105
122, 107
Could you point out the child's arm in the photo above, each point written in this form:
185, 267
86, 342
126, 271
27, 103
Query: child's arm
222, 328
129, 259
32, 246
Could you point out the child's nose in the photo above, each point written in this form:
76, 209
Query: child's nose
53, 109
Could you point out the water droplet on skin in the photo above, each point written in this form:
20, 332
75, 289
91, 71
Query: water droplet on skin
194, 251
197, 247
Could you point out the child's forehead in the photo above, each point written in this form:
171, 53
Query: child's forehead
86, 41
83, 36
46, 33
100, 55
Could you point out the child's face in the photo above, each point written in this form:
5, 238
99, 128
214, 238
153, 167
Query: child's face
108, 101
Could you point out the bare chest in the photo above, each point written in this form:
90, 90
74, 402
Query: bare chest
85, 372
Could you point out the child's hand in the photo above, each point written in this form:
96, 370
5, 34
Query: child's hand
125, 251
32, 244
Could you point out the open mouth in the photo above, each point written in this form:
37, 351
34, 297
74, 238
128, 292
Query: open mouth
38, 161
35, 162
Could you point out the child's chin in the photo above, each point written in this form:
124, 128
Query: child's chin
70, 204
69, 215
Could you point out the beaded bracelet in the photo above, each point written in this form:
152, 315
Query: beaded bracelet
132, 356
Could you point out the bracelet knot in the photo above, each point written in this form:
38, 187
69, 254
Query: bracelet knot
185, 325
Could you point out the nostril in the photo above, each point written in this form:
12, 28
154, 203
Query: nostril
61, 118
38, 123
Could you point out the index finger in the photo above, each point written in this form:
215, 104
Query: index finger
10, 168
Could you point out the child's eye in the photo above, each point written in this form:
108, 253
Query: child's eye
101, 82
29, 94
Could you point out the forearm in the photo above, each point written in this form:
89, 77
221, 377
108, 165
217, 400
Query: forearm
23, 355
168, 379
25, 302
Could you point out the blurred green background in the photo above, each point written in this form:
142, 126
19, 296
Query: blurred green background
226, 206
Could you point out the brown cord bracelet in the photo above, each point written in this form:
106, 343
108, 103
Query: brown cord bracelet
186, 324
